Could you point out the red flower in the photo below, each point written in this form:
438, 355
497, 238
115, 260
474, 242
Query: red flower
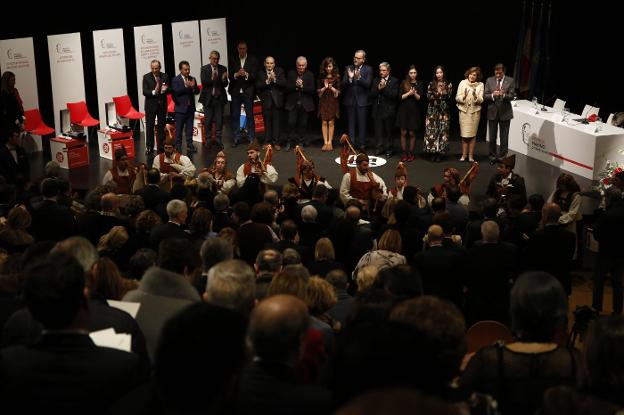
617, 170
592, 117
605, 180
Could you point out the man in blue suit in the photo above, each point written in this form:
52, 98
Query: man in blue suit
356, 84
184, 88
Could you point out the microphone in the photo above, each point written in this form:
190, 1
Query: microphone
545, 101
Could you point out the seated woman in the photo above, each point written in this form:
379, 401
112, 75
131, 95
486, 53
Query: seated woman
517, 374
451, 178
387, 253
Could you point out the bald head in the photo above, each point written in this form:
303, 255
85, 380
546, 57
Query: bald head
277, 328
353, 213
435, 233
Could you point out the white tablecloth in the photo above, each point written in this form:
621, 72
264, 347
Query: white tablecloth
578, 148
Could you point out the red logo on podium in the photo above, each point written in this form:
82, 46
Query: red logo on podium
105, 147
195, 131
59, 157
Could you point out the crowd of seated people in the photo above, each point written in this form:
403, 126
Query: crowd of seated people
257, 308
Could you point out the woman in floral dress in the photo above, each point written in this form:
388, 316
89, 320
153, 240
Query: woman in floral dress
437, 121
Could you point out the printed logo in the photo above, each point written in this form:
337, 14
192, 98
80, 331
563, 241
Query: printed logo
373, 161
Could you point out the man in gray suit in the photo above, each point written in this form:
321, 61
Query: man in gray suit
500, 90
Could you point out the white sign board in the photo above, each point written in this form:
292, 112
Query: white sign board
110, 71
148, 45
18, 56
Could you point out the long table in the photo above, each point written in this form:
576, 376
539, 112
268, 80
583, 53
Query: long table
582, 149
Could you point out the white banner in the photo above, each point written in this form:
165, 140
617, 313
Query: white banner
186, 47
65, 54
18, 56
110, 71
148, 45
214, 37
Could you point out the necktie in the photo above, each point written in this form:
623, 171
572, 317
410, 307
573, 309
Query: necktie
215, 75
500, 82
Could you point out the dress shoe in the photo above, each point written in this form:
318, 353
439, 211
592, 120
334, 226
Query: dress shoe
234, 144
410, 157
462, 159
388, 154
492, 162
471, 160
404, 158
149, 152
288, 147
277, 147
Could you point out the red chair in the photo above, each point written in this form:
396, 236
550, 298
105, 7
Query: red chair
34, 124
486, 333
124, 108
79, 114
170, 104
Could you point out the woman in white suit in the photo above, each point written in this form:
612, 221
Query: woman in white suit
469, 99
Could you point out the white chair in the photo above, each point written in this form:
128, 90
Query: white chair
559, 105
589, 110
610, 119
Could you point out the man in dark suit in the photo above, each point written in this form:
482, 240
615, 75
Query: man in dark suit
277, 329
552, 247
214, 78
506, 183
243, 69
270, 84
184, 88
65, 372
356, 84
155, 90
51, 221
384, 94
152, 194
13, 158
499, 91
177, 212
300, 89
608, 233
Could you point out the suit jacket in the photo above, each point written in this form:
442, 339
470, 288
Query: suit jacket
356, 92
9, 168
65, 373
305, 95
609, 230
247, 85
499, 106
551, 249
167, 230
208, 84
51, 221
271, 95
515, 186
152, 195
441, 271
154, 103
182, 96
384, 101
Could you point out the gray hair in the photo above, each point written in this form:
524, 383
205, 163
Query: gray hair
81, 249
302, 59
204, 180
362, 52
232, 284
309, 214
52, 168
386, 64
221, 202
175, 207
155, 61
213, 251
269, 260
490, 231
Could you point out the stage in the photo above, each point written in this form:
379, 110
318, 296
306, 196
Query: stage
540, 177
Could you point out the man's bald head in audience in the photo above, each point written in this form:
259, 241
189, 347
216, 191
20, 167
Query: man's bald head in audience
277, 328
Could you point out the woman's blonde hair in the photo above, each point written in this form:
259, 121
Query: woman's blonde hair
321, 296
324, 250
366, 276
287, 282
390, 241
114, 239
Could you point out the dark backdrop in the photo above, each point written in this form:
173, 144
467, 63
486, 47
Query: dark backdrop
584, 53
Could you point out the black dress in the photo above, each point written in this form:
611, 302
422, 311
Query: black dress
408, 116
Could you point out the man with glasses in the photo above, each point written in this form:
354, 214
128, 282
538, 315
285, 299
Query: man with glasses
356, 84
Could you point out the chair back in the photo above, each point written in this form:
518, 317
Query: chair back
589, 110
122, 105
77, 111
33, 119
170, 104
486, 333
559, 105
